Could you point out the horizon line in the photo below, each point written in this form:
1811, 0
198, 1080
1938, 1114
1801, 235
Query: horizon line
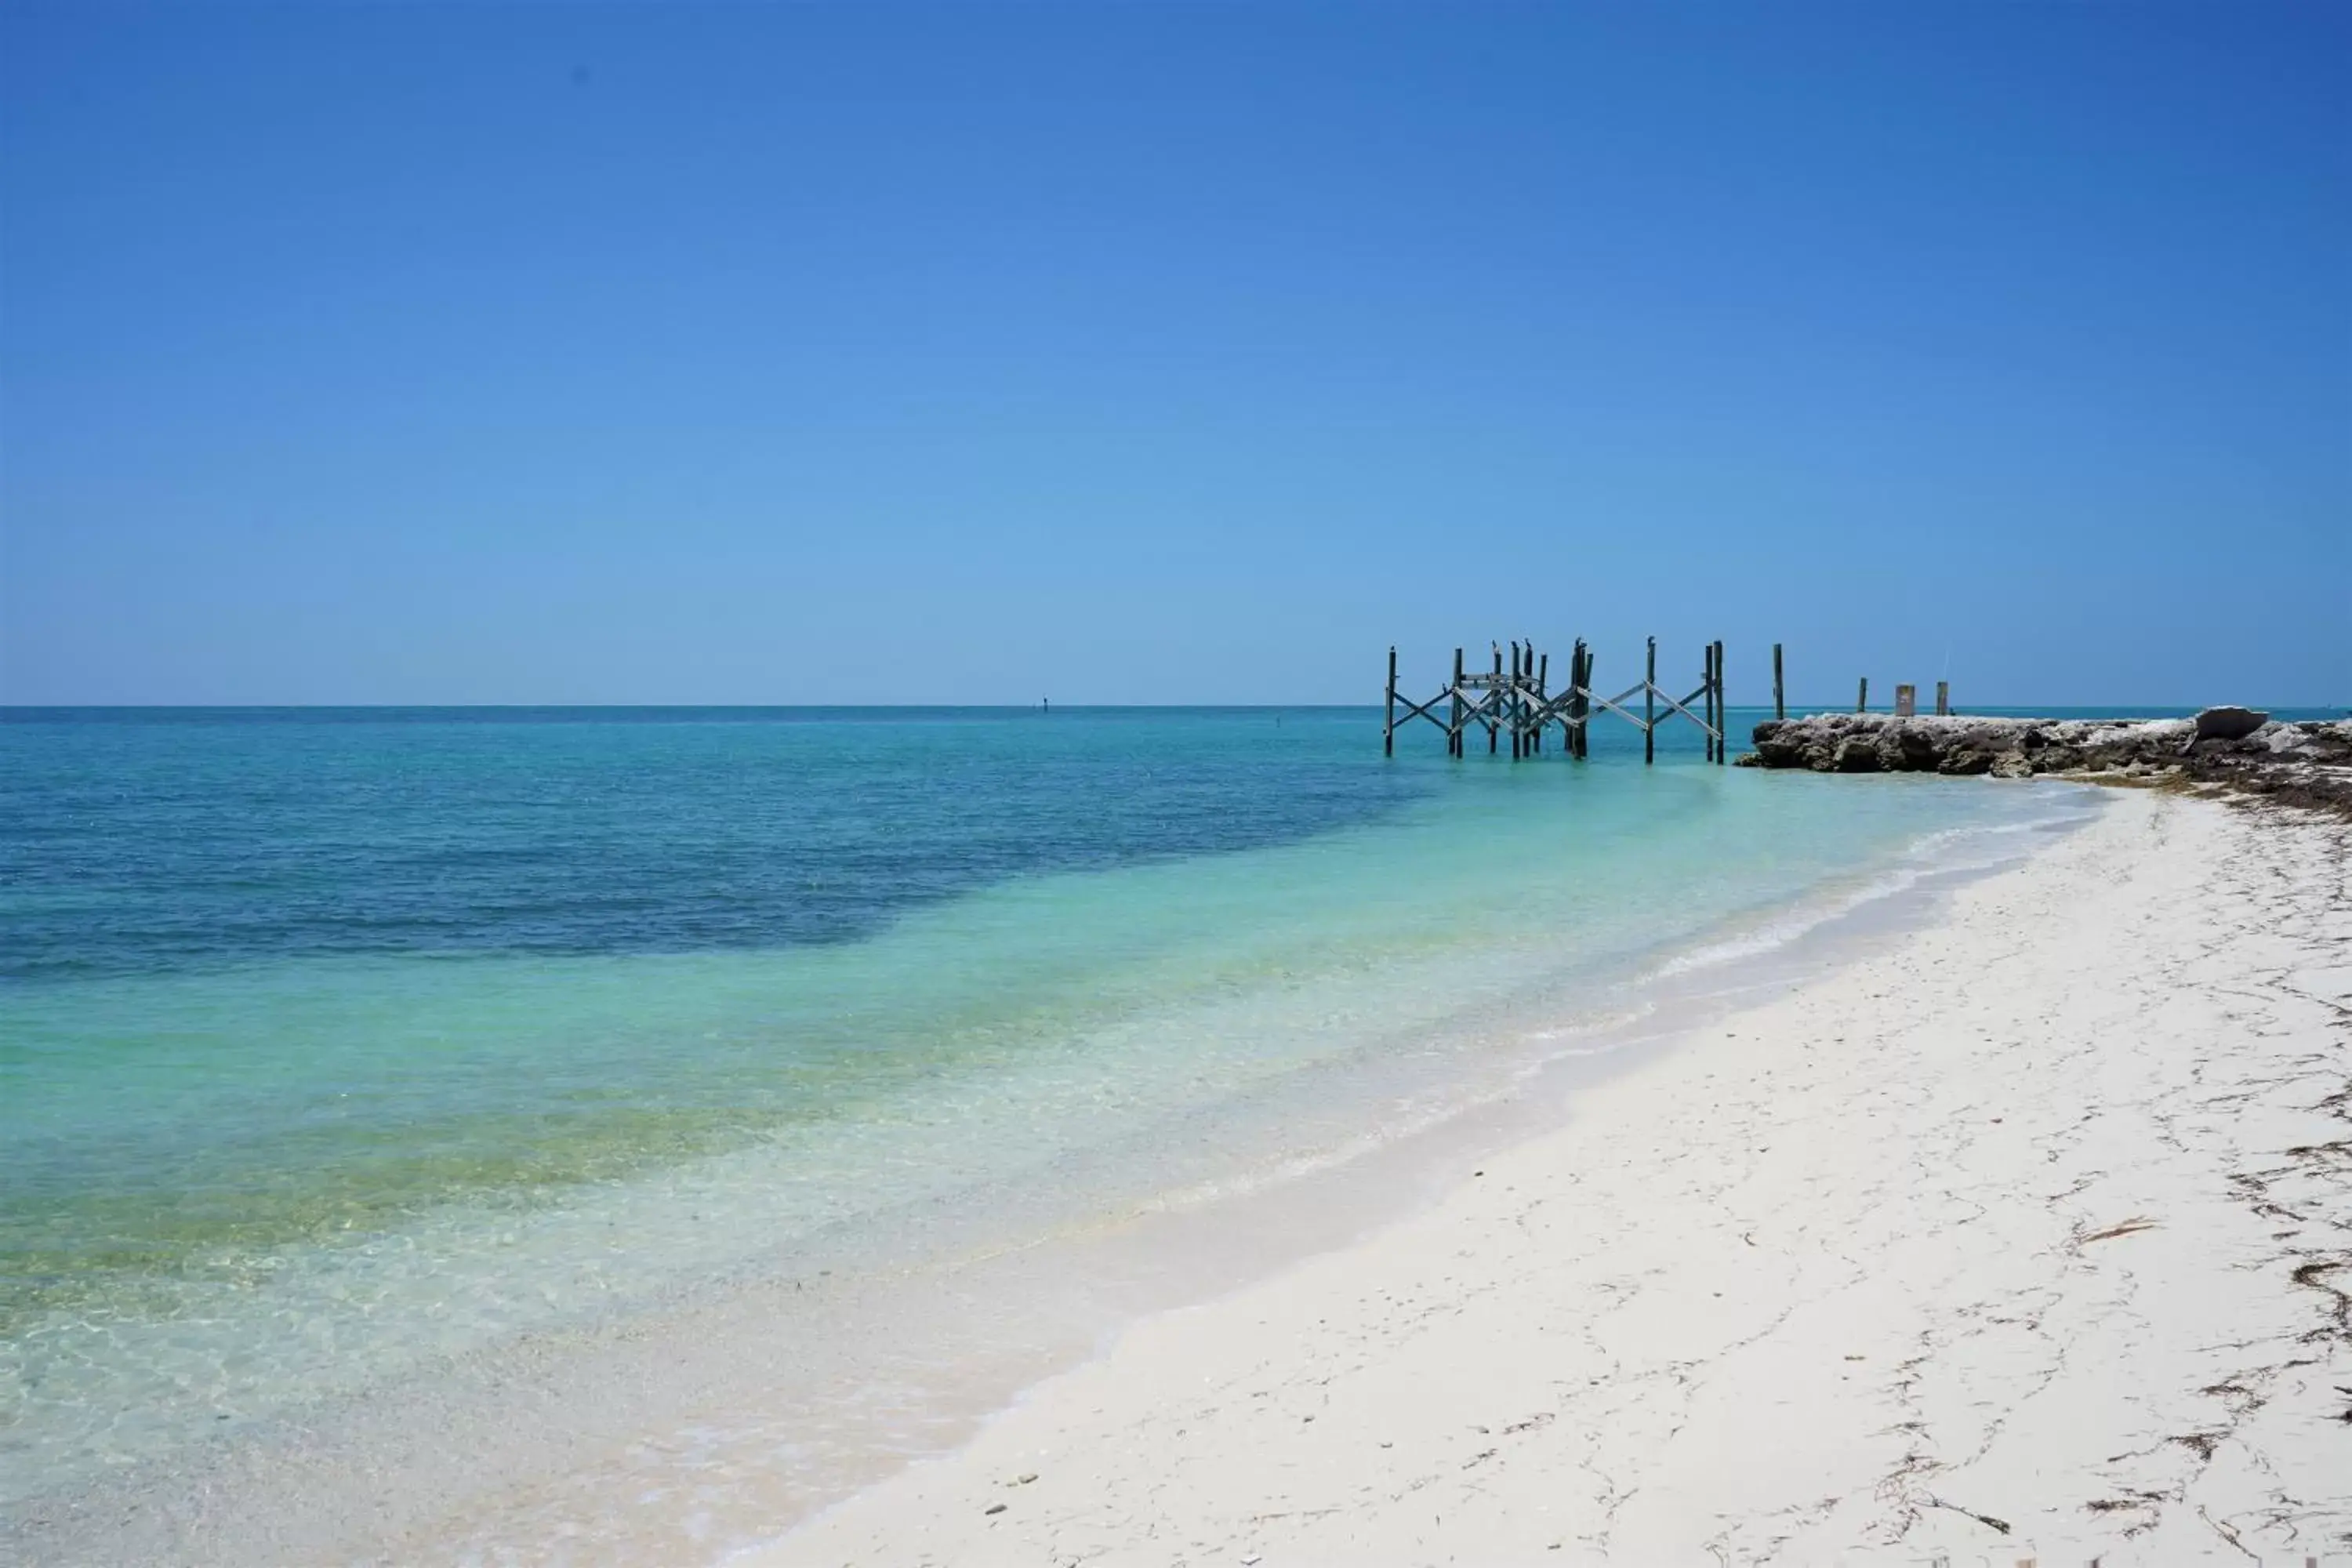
1008, 707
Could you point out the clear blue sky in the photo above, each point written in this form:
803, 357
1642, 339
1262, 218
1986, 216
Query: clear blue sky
793, 352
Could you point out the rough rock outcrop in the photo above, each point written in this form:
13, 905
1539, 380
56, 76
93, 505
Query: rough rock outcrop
2307, 764
2229, 723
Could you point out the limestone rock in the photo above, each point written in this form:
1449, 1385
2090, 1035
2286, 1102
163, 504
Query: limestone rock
2303, 764
2229, 723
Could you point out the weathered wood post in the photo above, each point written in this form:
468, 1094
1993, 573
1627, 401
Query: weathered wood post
1388, 720
1943, 697
1493, 703
1576, 699
1650, 706
1526, 701
1527, 698
1584, 730
1528, 706
1511, 708
1575, 685
1780, 706
1568, 714
1715, 686
1453, 717
1714, 690
1543, 691
1584, 705
1861, 698
1706, 698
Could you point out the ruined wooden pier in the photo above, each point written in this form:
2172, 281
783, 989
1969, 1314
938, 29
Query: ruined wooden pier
1516, 699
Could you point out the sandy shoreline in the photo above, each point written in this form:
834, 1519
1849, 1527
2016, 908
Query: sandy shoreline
2027, 1237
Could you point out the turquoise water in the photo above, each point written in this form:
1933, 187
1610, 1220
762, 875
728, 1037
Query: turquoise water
332, 1044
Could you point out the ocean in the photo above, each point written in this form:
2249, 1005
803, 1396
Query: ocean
340, 1050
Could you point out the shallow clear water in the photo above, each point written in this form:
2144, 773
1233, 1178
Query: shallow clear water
333, 1044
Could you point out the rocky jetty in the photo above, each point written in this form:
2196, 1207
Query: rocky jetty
2299, 764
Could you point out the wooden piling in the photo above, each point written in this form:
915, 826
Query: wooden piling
1718, 673
1779, 705
1543, 692
1568, 714
1861, 698
1706, 699
1511, 706
1581, 662
1650, 706
1584, 709
1388, 720
1528, 698
1528, 708
1491, 701
1715, 681
1943, 697
1584, 705
1575, 698
1720, 727
1453, 723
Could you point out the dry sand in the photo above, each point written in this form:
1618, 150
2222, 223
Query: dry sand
2030, 1237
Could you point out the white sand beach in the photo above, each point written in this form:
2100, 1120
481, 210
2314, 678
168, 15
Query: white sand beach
2027, 1237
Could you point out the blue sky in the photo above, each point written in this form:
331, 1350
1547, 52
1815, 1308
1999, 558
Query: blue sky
793, 352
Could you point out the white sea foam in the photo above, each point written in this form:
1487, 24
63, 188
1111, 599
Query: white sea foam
1949, 851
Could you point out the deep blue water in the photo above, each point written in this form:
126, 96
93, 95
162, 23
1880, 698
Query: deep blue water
150, 839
